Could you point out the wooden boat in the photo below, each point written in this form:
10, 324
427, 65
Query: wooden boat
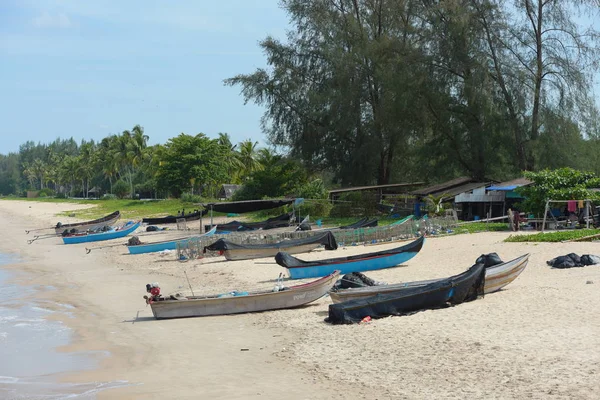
113, 233
107, 220
165, 244
234, 251
442, 293
172, 219
298, 269
198, 306
496, 277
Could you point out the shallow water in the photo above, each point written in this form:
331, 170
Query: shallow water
28, 342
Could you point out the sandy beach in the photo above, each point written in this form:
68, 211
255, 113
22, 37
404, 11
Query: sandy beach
536, 339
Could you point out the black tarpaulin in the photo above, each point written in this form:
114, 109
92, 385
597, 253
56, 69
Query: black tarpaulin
240, 207
362, 223
280, 221
288, 261
326, 239
443, 293
171, 219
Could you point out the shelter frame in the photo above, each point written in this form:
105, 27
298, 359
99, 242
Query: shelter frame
589, 214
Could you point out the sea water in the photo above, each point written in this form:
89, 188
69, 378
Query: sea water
30, 364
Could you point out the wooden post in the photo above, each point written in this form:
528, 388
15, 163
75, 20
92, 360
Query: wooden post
545, 213
211, 216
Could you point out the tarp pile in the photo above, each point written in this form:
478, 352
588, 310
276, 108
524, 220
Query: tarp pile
489, 260
572, 260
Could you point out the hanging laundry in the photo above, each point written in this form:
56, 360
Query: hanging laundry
580, 204
571, 205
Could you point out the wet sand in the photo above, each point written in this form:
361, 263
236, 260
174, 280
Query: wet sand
538, 338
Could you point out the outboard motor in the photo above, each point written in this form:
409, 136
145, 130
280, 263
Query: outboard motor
153, 289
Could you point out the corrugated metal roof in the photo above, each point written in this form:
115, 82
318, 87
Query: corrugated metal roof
358, 188
441, 188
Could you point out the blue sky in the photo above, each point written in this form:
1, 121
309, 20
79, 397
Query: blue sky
87, 69
90, 68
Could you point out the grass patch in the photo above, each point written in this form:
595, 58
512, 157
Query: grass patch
558, 236
482, 227
130, 209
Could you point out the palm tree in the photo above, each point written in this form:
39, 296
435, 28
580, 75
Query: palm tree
232, 161
247, 156
135, 143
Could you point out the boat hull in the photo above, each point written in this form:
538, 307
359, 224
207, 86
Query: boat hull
455, 290
293, 297
371, 264
97, 237
108, 220
496, 277
248, 254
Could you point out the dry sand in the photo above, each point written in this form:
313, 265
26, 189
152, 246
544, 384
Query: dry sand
538, 338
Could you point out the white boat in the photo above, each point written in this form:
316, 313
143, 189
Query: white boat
496, 277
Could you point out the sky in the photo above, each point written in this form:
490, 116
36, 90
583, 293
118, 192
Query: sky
87, 69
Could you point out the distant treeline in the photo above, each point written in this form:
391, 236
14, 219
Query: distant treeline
124, 165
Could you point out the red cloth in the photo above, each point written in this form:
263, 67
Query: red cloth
572, 206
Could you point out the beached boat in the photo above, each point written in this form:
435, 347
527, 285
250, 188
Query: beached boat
112, 233
439, 294
298, 269
237, 303
280, 221
234, 251
172, 219
496, 277
165, 244
107, 220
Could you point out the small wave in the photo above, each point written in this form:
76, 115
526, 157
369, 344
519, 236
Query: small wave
36, 308
8, 379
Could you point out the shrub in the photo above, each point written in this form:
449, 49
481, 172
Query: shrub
61, 195
191, 198
47, 192
121, 189
316, 208
108, 196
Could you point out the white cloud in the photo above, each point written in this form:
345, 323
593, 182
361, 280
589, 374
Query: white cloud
47, 20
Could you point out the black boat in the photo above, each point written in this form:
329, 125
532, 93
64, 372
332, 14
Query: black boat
361, 223
439, 294
171, 219
280, 221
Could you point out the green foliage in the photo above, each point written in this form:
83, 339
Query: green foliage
483, 227
108, 196
558, 236
282, 178
435, 204
559, 184
314, 189
316, 208
191, 162
121, 189
46, 192
191, 198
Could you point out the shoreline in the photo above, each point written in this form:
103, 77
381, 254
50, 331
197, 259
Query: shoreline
537, 338
156, 358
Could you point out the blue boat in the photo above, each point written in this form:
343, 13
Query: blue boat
113, 233
299, 269
164, 245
